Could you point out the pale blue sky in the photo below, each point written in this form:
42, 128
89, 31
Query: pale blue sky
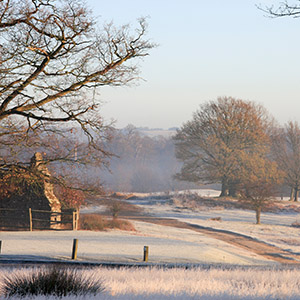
207, 48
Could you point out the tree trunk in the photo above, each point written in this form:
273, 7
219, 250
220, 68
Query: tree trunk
232, 190
296, 192
258, 211
224, 191
292, 194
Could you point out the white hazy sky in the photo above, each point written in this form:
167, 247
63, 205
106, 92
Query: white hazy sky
207, 49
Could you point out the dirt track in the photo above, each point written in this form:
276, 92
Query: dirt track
136, 213
268, 251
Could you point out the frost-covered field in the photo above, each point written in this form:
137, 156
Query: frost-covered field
211, 284
167, 244
173, 245
207, 284
275, 228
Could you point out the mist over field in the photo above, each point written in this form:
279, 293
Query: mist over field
144, 161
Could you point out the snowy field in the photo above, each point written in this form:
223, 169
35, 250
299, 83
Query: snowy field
200, 284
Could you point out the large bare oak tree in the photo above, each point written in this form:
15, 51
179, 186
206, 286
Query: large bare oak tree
54, 59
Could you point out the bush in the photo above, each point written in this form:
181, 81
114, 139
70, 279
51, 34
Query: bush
50, 281
120, 224
97, 222
91, 222
115, 208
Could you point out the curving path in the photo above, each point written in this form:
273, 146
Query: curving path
268, 251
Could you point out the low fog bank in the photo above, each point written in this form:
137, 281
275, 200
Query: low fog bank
144, 161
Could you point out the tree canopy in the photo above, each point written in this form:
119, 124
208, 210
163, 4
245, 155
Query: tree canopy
217, 145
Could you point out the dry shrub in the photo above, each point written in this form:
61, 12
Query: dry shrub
115, 208
120, 224
91, 222
98, 223
185, 203
51, 281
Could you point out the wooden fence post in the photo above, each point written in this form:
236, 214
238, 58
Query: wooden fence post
146, 253
75, 247
30, 219
75, 220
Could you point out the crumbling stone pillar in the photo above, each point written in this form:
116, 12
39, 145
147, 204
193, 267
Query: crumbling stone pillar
47, 193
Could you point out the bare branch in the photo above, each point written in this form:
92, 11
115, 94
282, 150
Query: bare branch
283, 10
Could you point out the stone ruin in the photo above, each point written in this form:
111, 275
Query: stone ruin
15, 210
46, 196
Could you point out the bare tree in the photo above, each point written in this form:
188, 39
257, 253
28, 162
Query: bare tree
286, 150
53, 58
221, 135
258, 182
285, 8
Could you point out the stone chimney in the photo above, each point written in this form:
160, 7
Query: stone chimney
37, 162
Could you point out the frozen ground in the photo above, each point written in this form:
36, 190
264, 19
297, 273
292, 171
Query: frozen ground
167, 244
172, 245
275, 228
175, 284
